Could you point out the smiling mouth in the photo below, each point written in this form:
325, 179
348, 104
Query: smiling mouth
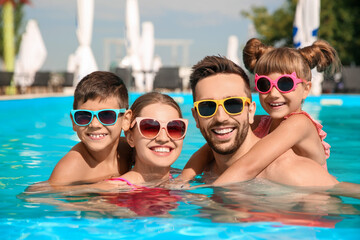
161, 149
97, 136
276, 104
223, 131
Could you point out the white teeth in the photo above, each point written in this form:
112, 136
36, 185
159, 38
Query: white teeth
97, 135
223, 131
162, 149
276, 104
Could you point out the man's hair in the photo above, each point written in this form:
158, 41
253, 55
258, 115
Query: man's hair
212, 65
101, 84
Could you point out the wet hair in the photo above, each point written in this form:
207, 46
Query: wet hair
101, 84
212, 65
264, 60
152, 98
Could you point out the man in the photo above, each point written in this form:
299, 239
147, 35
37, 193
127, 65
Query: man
223, 112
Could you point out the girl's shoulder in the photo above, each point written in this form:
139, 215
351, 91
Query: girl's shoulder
303, 117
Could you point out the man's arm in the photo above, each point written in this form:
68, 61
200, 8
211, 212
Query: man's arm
197, 163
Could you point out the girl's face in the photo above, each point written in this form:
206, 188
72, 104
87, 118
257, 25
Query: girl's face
278, 104
161, 151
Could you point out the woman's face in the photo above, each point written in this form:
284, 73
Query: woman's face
161, 151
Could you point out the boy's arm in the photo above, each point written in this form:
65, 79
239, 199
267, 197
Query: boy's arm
269, 148
197, 163
69, 169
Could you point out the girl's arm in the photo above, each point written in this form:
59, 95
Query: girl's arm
197, 163
264, 152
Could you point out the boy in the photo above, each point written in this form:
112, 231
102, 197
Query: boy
100, 102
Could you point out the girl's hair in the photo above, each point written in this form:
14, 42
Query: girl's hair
264, 60
152, 98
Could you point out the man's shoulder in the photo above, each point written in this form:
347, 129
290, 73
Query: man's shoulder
291, 169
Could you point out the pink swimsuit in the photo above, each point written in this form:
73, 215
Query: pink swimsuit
265, 122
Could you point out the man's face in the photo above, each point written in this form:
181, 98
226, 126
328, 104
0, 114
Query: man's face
223, 132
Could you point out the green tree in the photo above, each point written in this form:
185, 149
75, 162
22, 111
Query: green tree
339, 21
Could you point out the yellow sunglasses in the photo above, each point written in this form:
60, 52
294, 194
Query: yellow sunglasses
231, 105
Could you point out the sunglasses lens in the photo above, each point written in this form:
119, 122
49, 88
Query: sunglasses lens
263, 84
285, 84
149, 128
176, 129
234, 105
82, 117
207, 108
107, 117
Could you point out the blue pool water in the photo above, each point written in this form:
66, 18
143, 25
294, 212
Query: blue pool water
36, 133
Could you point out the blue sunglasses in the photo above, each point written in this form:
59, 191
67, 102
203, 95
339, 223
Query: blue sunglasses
106, 117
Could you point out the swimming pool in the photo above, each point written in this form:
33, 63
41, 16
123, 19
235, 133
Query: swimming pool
36, 133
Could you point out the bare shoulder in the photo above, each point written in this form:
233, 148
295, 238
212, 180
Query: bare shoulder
291, 169
71, 166
299, 121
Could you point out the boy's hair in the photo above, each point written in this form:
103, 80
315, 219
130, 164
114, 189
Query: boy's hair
212, 65
101, 84
151, 98
264, 60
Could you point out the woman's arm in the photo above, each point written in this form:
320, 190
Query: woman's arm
269, 148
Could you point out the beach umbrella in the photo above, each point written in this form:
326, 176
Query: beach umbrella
83, 61
132, 23
147, 54
232, 49
140, 49
305, 30
32, 55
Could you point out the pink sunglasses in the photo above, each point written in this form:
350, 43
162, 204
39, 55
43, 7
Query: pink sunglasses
150, 128
285, 83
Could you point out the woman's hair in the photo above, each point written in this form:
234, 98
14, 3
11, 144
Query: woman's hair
152, 98
264, 60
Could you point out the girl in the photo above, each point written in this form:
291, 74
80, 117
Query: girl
156, 132
282, 78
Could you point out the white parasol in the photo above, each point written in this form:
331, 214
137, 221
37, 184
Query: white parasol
147, 54
83, 61
232, 49
306, 27
32, 55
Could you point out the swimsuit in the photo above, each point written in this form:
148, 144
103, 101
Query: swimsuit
144, 201
265, 122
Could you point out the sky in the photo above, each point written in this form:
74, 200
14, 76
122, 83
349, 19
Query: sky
207, 23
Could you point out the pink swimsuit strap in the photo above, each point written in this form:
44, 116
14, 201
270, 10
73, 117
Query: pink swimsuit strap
264, 126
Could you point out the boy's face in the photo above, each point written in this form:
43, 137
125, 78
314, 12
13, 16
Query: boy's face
96, 136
